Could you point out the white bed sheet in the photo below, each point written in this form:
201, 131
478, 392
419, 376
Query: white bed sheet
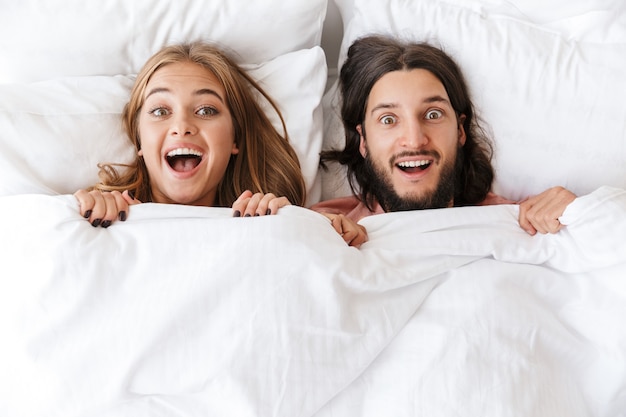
185, 311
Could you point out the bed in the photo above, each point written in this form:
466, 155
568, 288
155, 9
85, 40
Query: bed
187, 311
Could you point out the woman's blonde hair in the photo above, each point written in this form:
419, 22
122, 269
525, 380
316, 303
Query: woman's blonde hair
266, 162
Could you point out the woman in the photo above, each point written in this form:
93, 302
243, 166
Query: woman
201, 139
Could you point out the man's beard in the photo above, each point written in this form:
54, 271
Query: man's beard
443, 195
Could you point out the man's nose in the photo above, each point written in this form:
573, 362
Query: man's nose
413, 135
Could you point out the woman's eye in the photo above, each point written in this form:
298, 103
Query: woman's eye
206, 111
434, 114
159, 112
387, 120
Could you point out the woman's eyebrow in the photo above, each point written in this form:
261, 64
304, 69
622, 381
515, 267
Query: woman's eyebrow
212, 92
199, 92
158, 90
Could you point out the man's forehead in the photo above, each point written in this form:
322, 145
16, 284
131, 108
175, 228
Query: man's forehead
407, 87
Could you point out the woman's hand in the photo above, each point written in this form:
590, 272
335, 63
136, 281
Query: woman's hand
541, 213
258, 204
352, 233
103, 208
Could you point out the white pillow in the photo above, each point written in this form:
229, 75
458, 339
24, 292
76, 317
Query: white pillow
49, 39
547, 77
53, 133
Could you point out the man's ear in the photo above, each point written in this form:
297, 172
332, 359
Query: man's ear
362, 144
462, 136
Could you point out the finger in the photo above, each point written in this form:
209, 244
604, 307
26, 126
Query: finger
542, 213
129, 197
99, 208
337, 225
85, 203
111, 211
276, 204
335, 222
361, 238
353, 234
543, 210
524, 222
535, 213
239, 206
559, 199
121, 205
263, 208
355, 237
554, 226
253, 203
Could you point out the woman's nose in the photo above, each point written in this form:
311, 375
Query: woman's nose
183, 125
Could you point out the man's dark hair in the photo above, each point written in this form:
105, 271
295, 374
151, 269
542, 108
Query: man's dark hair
370, 58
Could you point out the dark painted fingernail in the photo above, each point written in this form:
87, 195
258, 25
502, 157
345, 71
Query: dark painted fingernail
237, 213
256, 214
122, 216
106, 223
268, 212
247, 215
131, 194
96, 222
87, 214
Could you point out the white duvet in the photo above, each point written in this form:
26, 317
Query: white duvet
186, 311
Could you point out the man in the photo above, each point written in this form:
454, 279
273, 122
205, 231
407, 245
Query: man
412, 141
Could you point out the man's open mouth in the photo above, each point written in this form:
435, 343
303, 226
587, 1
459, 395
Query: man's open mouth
183, 159
414, 166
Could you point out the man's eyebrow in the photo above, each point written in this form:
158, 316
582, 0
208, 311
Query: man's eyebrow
383, 106
428, 100
199, 92
437, 99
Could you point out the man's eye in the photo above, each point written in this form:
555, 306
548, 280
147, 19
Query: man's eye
387, 120
159, 112
434, 114
207, 111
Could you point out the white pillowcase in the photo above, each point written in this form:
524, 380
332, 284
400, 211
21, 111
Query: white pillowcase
54, 133
547, 77
49, 39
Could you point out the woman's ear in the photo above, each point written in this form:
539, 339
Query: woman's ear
235, 149
362, 144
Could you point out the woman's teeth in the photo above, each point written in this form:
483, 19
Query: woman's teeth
184, 151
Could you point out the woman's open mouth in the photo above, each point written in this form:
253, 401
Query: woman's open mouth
183, 159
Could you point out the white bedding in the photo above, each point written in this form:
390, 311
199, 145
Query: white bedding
186, 311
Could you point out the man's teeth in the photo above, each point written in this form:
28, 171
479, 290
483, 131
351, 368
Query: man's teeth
412, 164
184, 151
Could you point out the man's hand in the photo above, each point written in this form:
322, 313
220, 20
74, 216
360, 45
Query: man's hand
541, 213
352, 233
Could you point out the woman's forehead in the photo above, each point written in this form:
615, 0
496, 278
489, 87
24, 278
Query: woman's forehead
183, 74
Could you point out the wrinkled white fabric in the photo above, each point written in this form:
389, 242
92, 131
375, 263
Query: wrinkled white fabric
186, 311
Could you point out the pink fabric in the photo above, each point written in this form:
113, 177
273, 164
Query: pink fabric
355, 210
